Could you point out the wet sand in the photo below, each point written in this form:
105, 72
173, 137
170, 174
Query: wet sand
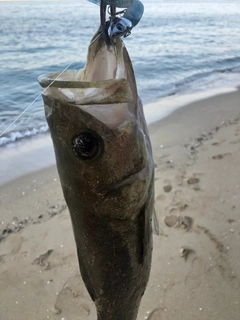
196, 266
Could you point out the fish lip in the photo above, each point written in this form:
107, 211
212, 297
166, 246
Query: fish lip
140, 175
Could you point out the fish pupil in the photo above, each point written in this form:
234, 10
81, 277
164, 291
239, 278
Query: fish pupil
85, 146
119, 27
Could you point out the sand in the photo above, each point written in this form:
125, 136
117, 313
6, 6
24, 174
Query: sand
196, 265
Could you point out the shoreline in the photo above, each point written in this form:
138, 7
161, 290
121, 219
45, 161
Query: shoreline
27, 157
195, 269
36, 153
166, 106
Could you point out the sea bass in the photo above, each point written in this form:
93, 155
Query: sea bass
105, 164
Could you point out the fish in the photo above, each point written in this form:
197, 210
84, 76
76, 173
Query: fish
105, 164
119, 27
122, 25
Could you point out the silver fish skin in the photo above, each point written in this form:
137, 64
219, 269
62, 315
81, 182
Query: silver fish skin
119, 27
104, 159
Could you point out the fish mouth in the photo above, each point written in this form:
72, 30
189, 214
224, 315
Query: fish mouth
131, 179
102, 80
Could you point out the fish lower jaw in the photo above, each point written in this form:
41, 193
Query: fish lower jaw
140, 175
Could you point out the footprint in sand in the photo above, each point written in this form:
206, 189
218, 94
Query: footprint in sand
161, 197
167, 188
179, 222
186, 252
220, 156
74, 297
179, 179
155, 314
194, 277
193, 180
50, 259
177, 205
178, 196
42, 260
235, 141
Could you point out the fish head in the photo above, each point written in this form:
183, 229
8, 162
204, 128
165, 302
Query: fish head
119, 27
100, 136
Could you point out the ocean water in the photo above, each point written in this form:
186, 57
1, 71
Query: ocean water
177, 48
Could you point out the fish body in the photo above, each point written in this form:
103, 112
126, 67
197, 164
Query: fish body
105, 164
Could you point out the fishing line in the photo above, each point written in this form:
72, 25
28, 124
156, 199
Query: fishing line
29, 106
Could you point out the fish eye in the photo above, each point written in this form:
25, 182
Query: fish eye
86, 146
119, 27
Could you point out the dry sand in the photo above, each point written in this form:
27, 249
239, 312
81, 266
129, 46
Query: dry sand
196, 263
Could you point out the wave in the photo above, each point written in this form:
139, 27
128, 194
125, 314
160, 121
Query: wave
195, 82
16, 136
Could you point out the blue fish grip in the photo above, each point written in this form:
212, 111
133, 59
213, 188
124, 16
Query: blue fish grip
134, 11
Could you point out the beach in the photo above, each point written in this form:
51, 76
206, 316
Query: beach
195, 268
